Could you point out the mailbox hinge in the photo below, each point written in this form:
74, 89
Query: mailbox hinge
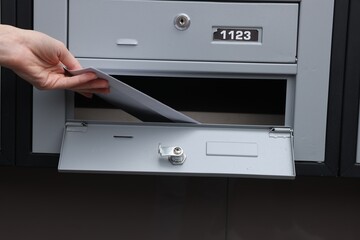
281, 132
76, 126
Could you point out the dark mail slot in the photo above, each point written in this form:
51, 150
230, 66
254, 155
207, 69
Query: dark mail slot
208, 100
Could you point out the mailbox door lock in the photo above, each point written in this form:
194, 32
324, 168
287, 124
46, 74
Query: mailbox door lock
175, 155
182, 21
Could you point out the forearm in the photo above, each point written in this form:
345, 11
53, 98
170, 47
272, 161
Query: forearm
11, 39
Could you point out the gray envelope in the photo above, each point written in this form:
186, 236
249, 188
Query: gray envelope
135, 102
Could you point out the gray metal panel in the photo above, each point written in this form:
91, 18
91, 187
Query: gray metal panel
312, 81
134, 149
140, 67
49, 106
96, 27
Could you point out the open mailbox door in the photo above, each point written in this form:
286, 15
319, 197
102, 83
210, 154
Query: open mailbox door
177, 149
185, 148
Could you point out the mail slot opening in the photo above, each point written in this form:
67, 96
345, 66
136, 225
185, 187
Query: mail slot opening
207, 100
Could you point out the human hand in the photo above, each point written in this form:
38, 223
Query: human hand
40, 60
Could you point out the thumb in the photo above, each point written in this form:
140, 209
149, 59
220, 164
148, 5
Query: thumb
67, 59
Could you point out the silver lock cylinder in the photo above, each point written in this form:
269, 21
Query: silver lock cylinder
182, 21
175, 155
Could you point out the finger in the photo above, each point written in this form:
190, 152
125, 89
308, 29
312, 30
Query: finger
74, 81
67, 58
93, 84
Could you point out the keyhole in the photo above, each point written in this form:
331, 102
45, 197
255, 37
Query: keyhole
182, 22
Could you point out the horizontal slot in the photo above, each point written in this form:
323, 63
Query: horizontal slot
208, 100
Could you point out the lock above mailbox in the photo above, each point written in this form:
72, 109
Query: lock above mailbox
182, 22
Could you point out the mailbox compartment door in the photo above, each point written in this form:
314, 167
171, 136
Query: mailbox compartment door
178, 149
184, 30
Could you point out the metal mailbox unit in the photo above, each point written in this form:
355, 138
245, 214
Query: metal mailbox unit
257, 42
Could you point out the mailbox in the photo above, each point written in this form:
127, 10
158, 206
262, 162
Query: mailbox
251, 79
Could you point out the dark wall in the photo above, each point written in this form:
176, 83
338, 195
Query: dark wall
44, 204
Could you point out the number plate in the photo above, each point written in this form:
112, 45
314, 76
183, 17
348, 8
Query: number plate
236, 34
